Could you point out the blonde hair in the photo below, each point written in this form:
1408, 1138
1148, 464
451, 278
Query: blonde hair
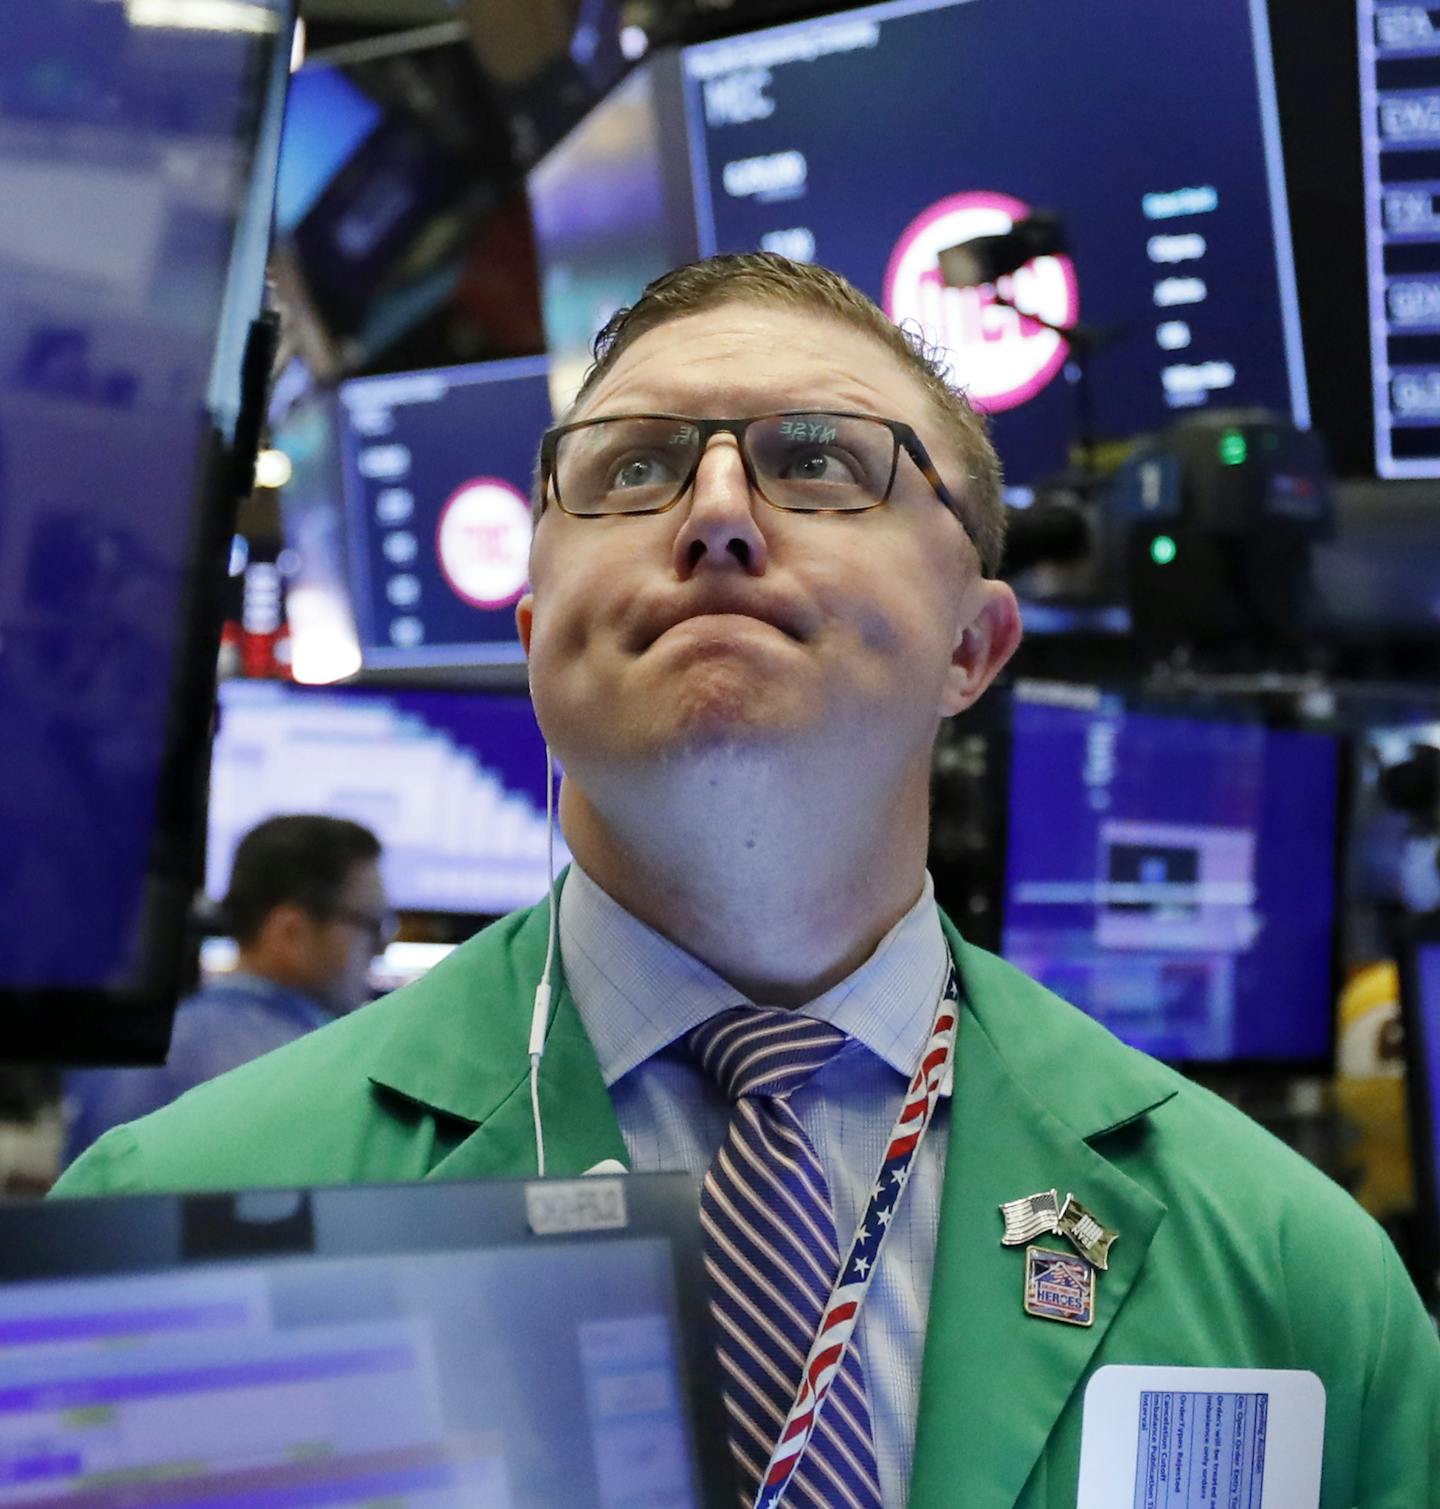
765, 278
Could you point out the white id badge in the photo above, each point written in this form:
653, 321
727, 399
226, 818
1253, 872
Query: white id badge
1201, 1438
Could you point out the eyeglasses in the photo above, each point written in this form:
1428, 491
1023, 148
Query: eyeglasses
380, 930
802, 460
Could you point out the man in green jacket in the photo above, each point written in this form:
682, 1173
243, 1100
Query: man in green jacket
762, 574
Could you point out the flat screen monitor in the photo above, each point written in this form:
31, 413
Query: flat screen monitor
1400, 101
319, 609
451, 782
872, 140
438, 469
612, 209
450, 1345
1420, 1007
137, 171
1174, 876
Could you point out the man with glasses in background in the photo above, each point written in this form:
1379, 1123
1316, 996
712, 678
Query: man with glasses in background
763, 572
307, 907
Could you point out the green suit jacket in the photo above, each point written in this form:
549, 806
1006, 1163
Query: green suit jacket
1232, 1251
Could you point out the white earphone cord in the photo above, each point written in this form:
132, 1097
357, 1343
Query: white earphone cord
540, 1015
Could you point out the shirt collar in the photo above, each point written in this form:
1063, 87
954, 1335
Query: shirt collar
637, 992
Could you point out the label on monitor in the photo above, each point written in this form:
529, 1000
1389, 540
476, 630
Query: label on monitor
558, 1207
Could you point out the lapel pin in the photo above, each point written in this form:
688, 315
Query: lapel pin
1091, 1237
1034, 1216
1059, 1286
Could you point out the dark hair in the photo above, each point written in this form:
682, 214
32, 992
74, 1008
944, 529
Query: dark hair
304, 859
765, 278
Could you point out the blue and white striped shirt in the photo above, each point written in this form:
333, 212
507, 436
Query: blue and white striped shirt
639, 994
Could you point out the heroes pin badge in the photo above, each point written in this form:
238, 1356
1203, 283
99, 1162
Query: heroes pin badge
1059, 1286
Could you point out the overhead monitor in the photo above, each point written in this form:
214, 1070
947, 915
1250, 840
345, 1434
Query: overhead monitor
1400, 101
1151, 131
452, 783
137, 170
1174, 876
1420, 1004
438, 470
319, 611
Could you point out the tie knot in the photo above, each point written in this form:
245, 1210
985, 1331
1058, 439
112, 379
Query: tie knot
758, 1051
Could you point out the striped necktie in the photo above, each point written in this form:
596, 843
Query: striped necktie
772, 1258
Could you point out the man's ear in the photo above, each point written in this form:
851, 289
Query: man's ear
525, 620
989, 634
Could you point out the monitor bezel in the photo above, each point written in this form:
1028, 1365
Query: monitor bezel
118, 1235
1422, 1116
1222, 709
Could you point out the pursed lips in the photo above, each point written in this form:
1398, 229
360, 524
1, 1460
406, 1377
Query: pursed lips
661, 623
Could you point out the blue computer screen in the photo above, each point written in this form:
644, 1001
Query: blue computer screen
511, 1377
136, 179
1174, 877
438, 469
452, 783
871, 140
1427, 975
326, 118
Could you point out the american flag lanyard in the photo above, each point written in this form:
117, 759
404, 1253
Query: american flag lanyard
852, 1283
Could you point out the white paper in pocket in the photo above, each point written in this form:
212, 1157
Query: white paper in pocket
1201, 1438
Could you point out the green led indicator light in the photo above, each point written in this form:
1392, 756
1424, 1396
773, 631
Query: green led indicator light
1163, 550
1233, 448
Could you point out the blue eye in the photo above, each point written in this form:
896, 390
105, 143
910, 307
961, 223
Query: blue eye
641, 471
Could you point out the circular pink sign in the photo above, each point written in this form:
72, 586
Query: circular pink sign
482, 541
996, 356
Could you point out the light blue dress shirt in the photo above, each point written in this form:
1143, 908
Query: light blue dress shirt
638, 994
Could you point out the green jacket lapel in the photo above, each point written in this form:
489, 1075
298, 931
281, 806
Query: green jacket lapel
459, 1050
1027, 1097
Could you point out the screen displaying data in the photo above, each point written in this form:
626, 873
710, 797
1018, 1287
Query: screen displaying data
1427, 1004
136, 170
452, 783
1400, 97
1174, 877
438, 469
1150, 130
504, 1378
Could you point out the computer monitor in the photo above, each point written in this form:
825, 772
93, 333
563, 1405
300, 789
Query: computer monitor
451, 782
1399, 74
319, 608
438, 470
1152, 131
1173, 874
137, 170
507, 1344
1420, 1014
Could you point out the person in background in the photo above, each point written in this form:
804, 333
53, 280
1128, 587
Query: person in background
308, 909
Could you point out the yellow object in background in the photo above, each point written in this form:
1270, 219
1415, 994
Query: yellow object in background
1370, 1088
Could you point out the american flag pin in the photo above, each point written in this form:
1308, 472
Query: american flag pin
1033, 1216
1092, 1239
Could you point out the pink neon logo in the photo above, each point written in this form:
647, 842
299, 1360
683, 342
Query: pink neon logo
482, 541
996, 356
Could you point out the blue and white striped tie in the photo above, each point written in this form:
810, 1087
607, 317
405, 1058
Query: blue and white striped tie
772, 1257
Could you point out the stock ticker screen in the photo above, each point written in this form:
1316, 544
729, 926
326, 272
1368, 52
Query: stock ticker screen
1151, 130
438, 470
1174, 877
452, 783
1400, 98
